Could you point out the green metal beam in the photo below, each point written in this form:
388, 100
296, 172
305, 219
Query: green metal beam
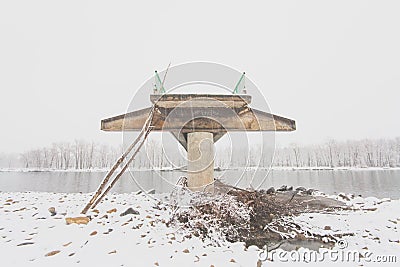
236, 90
158, 83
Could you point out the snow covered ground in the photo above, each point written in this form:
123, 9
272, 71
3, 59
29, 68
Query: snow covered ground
335, 168
172, 169
31, 236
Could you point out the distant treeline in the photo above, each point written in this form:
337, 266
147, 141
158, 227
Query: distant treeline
76, 155
89, 155
362, 153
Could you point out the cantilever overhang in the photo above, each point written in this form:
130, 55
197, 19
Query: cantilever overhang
249, 120
184, 113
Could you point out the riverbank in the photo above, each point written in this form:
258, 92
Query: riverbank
216, 169
30, 235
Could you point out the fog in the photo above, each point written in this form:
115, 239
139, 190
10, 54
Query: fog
332, 66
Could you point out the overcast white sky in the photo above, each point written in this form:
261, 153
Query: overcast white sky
333, 66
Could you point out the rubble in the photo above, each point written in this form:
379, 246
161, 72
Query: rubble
254, 217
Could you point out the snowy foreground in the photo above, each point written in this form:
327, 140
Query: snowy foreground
31, 236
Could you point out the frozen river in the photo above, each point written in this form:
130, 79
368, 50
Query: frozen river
377, 183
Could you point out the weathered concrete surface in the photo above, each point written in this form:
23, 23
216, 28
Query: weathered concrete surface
200, 147
212, 119
200, 100
200, 113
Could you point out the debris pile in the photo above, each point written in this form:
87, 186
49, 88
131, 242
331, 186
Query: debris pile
256, 217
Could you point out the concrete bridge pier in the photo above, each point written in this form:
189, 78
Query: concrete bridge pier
200, 149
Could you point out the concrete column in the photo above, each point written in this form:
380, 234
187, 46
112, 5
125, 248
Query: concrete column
200, 149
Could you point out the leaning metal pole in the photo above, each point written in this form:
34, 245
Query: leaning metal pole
123, 170
145, 131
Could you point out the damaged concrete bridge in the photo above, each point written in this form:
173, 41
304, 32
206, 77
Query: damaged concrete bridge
197, 121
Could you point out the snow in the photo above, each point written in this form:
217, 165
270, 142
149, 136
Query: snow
52, 170
333, 168
107, 169
145, 239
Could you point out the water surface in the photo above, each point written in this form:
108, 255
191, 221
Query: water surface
378, 183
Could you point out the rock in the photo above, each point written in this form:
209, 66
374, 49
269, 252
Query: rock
370, 209
282, 188
52, 253
77, 220
344, 197
52, 211
93, 233
25, 243
112, 252
310, 191
290, 188
67, 244
301, 189
129, 211
21, 209
271, 190
327, 227
153, 191
185, 250
112, 210
109, 231
232, 260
